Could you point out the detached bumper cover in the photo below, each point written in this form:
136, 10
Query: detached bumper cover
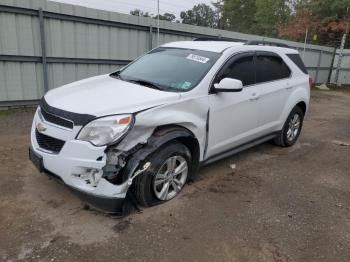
106, 204
73, 162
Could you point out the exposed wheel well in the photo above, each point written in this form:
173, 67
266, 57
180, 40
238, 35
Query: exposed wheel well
302, 106
190, 142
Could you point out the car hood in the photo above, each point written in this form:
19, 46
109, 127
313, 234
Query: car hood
105, 95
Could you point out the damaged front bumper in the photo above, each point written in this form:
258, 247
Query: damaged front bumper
80, 166
103, 196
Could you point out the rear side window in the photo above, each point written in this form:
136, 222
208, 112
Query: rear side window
270, 68
297, 60
241, 69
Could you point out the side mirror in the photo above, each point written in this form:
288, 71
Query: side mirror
229, 85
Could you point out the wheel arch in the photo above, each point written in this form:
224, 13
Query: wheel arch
302, 106
183, 135
300, 97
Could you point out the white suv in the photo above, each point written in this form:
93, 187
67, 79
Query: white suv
142, 132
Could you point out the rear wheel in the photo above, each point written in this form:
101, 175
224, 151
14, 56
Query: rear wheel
291, 129
166, 177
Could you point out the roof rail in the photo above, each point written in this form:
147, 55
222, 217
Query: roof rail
255, 42
215, 38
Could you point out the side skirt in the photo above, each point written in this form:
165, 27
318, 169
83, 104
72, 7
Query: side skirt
238, 149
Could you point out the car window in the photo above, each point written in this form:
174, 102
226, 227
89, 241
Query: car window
241, 69
270, 68
171, 69
297, 60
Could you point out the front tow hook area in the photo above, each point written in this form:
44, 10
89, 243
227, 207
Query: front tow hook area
115, 206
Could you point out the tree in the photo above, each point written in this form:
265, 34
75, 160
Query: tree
165, 16
238, 15
295, 29
329, 10
219, 6
138, 12
269, 15
327, 19
200, 15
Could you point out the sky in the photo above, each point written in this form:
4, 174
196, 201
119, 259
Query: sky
124, 6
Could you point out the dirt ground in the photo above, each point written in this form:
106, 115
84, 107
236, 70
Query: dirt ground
278, 205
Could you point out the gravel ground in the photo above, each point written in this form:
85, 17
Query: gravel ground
277, 205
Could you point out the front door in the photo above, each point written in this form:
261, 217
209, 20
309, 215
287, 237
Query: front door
233, 116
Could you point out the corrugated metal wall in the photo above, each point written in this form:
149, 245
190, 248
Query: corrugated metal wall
344, 72
82, 42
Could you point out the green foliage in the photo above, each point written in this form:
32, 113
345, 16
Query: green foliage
328, 10
287, 18
238, 15
255, 16
328, 19
201, 15
165, 16
138, 12
269, 15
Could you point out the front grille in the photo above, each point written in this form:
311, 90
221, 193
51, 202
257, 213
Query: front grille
49, 143
56, 120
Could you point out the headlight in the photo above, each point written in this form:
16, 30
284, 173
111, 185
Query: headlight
106, 130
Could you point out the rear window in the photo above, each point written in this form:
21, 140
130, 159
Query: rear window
270, 68
297, 60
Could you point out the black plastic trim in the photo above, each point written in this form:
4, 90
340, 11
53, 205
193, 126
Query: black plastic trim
267, 43
78, 119
54, 119
217, 39
104, 204
240, 148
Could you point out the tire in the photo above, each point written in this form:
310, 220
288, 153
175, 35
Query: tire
291, 128
149, 185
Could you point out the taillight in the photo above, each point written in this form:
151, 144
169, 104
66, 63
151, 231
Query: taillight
310, 82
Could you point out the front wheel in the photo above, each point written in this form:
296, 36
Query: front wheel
291, 129
166, 177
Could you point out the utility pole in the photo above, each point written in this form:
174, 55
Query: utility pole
217, 15
158, 26
306, 34
340, 58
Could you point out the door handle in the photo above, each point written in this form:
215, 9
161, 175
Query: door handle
254, 97
289, 86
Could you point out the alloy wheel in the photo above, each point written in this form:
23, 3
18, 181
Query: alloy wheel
171, 178
293, 127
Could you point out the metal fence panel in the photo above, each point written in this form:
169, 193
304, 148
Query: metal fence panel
344, 73
79, 42
20, 81
64, 73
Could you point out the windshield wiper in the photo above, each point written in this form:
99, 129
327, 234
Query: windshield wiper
146, 83
138, 81
117, 75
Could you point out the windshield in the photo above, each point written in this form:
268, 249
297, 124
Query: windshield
170, 69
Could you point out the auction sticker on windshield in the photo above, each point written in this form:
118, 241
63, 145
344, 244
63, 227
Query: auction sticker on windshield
198, 58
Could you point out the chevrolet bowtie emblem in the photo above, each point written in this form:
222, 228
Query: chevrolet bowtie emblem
40, 127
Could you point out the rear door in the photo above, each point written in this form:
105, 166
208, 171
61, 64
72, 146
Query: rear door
273, 78
233, 117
